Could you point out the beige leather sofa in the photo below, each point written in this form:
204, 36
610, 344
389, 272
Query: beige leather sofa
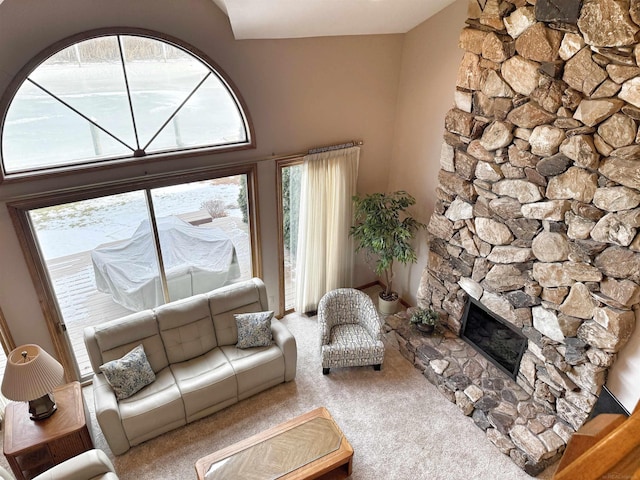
190, 345
89, 465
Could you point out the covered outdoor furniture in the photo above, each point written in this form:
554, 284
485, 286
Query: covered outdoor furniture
349, 327
196, 260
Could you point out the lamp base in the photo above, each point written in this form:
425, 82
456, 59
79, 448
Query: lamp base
42, 407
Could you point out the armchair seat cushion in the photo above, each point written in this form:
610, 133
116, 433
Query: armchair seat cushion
350, 345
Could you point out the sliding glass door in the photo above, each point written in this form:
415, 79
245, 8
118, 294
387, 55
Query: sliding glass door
116, 254
289, 174
203, 238
67, 235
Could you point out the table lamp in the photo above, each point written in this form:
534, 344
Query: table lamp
30, 376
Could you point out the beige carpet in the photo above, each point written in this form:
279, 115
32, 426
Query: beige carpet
399, 425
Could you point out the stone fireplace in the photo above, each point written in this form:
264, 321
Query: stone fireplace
537, 215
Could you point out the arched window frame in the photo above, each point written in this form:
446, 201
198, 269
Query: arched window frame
114, 162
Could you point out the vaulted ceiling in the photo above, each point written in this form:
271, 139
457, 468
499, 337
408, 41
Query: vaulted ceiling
254, 19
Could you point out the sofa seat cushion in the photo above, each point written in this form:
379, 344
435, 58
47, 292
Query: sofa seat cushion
255, 368
152, 409
205, 381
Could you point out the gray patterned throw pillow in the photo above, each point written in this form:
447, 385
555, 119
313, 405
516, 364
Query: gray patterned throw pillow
129, 374
254, 329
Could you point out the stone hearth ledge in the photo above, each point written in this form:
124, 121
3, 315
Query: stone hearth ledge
519, 427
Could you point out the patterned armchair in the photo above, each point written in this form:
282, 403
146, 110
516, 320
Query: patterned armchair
349, 330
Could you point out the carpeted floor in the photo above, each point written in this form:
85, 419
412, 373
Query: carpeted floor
399, 425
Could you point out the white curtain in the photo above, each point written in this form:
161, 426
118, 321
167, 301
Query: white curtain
325, 249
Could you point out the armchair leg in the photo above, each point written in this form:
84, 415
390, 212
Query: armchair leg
325, 371
377, 367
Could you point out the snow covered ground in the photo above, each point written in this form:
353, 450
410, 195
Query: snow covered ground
82, 226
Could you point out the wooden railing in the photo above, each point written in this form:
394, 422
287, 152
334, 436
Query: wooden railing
607, 447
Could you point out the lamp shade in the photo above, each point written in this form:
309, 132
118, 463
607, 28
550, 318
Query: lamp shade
30, 373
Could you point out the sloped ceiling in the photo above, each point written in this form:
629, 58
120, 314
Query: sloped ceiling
255, 19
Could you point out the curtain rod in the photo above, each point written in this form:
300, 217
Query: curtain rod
340, 146
291, 156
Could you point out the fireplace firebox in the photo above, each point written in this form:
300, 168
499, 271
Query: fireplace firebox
493, 337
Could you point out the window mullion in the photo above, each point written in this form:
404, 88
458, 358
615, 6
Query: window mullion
177, 110
77, 112
138, 151
156, 241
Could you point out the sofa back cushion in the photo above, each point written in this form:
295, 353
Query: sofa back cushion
118, 337
186, 328
243, 297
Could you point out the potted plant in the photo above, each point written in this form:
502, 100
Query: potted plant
384, 229
425, 319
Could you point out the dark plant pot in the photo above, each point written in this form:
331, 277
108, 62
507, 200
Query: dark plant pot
424, 328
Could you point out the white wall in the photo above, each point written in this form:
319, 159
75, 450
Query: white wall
300, 93
430, 60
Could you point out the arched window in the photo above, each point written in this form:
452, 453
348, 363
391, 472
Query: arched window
116, 96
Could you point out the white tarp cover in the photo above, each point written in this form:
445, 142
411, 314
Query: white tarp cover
196, 260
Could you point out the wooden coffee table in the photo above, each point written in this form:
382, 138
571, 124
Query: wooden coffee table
310, 446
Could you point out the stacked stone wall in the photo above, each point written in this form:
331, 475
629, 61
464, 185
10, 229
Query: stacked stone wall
539, 189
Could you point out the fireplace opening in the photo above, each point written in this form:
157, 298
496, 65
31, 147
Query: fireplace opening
493, 337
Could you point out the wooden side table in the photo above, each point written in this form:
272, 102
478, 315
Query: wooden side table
31, 447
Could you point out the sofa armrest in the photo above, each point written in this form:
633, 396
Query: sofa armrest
88, 465
287, 343
108, 415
